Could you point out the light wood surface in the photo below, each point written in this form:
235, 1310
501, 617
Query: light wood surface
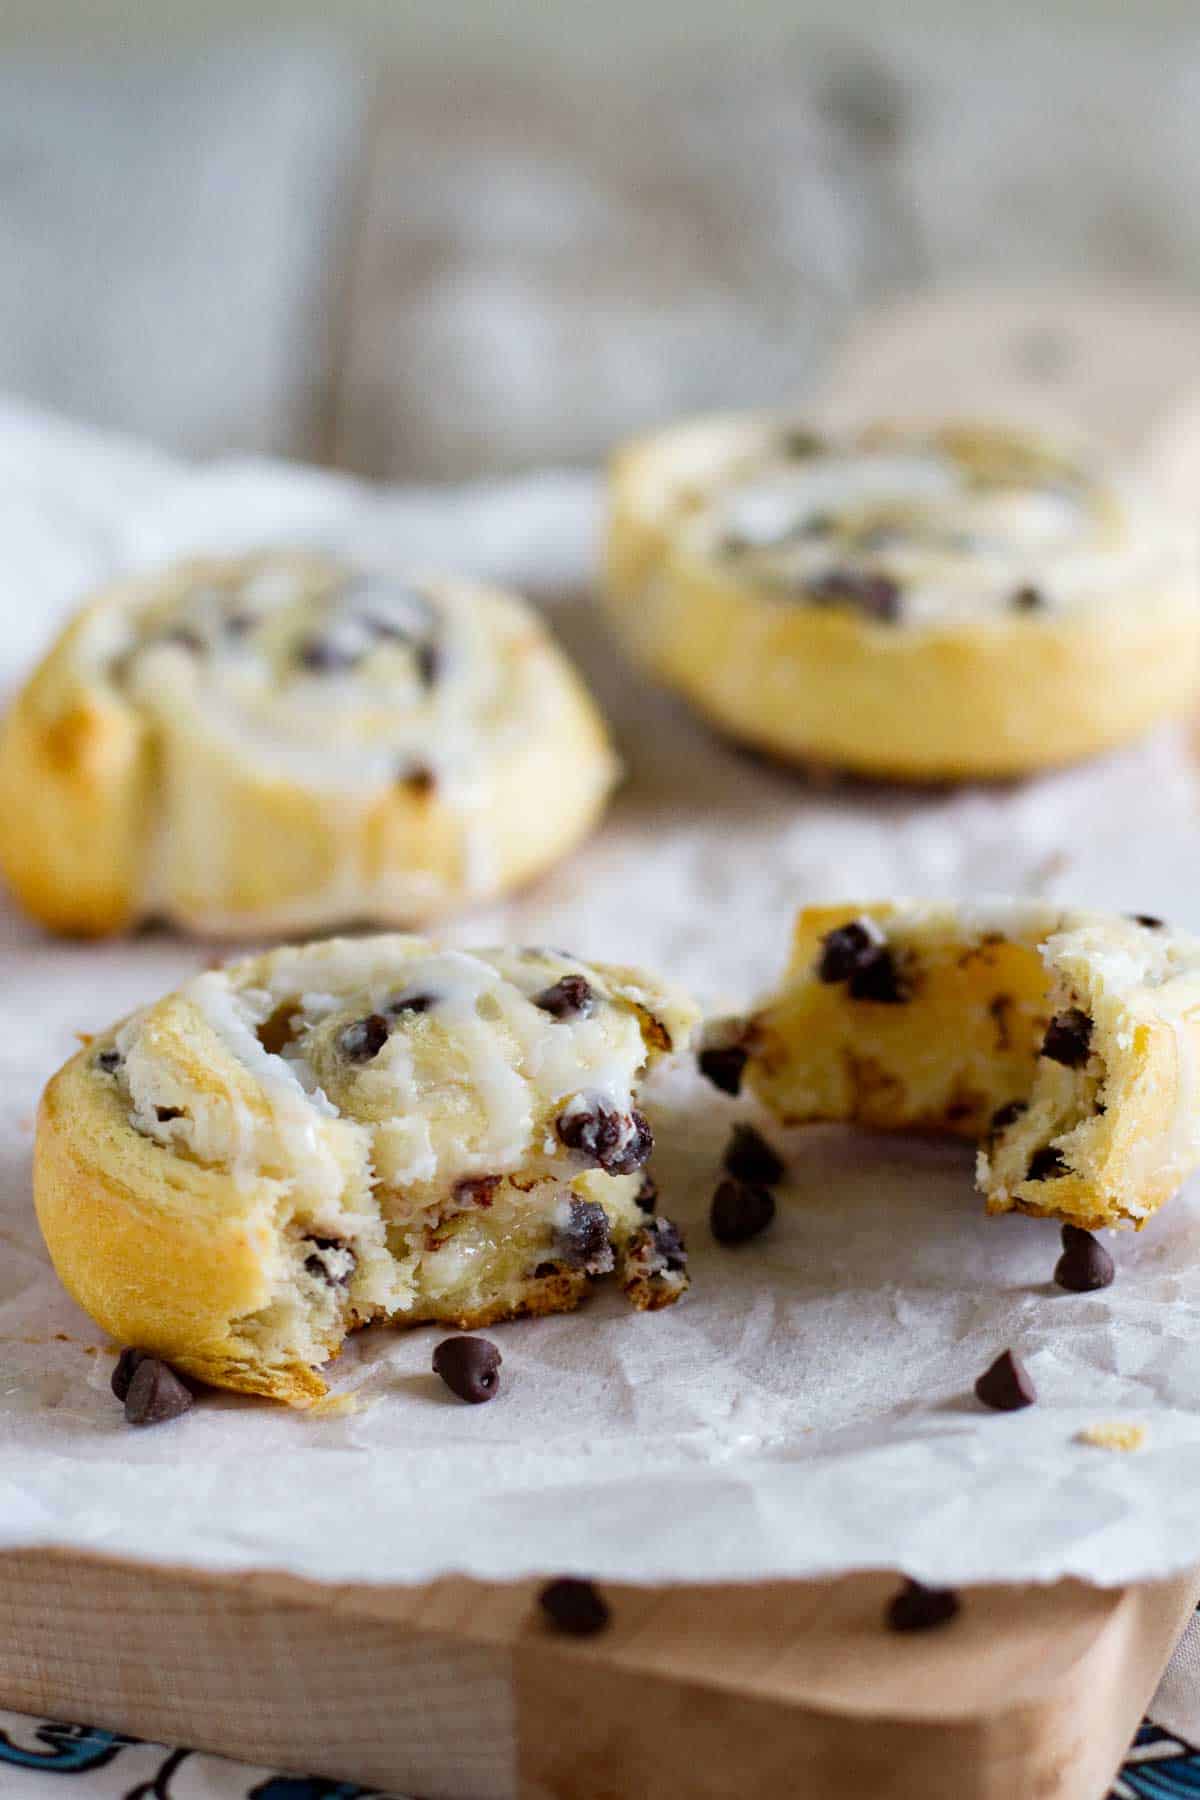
459, 1690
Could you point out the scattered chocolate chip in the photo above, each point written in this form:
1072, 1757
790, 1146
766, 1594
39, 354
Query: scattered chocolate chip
647, 1195
1085, 1264
410, 1003
575, 1607
1007, 1115
845, 950
126, 1367
583, 1242
875, 596
108, 1061
155, 1393
164, 1114
878, 980
1006, 1385
616, 1142
1148, 920
800, 443
317, 1265
477, 1190
363, 1040
570, 998
419, 780
429, 663
739, 1211
470, 1368
1028, 599
920, 1608
321, 656
724, 1066
1045, 1164
749, 1156
1068, 1038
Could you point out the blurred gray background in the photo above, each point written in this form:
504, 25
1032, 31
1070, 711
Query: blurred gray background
441, 241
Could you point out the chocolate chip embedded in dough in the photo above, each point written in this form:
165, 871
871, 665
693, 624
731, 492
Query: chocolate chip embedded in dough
1085, 1264
1028, 599
316, 1263
878, 979
322, 656
584, 1240
749, 1156
410, 1003
1006, 1385
920, 1608
107, 1061
164, 1114
740, 1211
181, 637
574, 1607
846, 949
419, 780
1007, 1115
570, 998
646, 1198
616, 1142
1068, 1038
362, 1041
874, 595
724, 1065
1149, 920
477, 1190
280, 1027
1046, 1164
156, 1393
429, 663
470, 1368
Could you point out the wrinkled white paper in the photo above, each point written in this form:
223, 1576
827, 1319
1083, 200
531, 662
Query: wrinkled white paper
807, 1409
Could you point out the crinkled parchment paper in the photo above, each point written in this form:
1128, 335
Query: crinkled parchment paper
808, 1408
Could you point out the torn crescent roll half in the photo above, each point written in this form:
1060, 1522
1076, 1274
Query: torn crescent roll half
299, 1144
939, 603
1067, 1042
279, 743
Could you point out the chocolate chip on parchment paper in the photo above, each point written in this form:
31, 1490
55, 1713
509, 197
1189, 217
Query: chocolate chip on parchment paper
470, 1368
749, 1156
1006, 1386
155, 1393
740, 1211
1085, 1264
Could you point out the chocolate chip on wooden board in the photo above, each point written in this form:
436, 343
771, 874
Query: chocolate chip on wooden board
574, 1607
470, 1368
740, 1211
153, 1393
920, 1608
1085, 1264
749, 1157
1006, 1385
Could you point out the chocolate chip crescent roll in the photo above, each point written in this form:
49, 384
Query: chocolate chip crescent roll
938, 604
356, 1130
1066, 1042
280, 743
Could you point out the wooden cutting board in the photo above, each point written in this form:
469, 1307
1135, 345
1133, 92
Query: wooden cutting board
459, 1690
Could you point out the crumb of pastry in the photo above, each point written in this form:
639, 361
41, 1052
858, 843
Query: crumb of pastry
1113, 1434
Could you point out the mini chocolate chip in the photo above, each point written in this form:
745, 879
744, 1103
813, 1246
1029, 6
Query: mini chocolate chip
647, 1195
920, 1608
321, 656
1045, 1164
419, 780
108, 1061
724, 1066
570, 998
739, 1211
126, 1368
470, 1368
316, 1264
616, 1142
584, 1240
363, 1040
844, 950
156, 1393
667, 1241
1084, 1264
877, 979
429, 663
1068, 1038
874, 595
164, 1114
544, 1270
749, 1156
1028, 599
575, 1607
1007, 1115
1005, 1386
410, 1003
477, 1190
1148, 920
800, 443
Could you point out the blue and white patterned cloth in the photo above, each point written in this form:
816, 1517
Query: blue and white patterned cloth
1163, 1761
